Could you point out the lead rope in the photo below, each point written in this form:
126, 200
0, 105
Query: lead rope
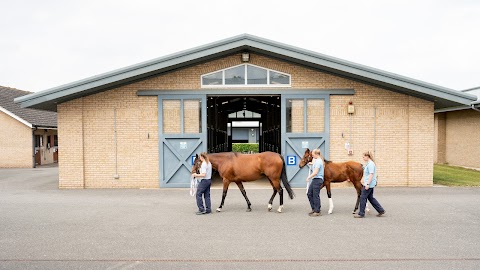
310, 171
193, 185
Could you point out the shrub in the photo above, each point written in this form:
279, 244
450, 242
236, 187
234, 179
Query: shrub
245, 147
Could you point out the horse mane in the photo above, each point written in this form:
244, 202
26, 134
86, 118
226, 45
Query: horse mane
327, 161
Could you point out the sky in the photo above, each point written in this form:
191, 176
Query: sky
44, 44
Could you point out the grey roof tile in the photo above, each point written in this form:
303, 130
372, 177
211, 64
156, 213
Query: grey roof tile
33, 116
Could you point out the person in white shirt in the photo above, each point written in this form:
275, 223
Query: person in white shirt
316, 181
203, 189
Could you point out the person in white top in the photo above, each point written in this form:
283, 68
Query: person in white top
203, 189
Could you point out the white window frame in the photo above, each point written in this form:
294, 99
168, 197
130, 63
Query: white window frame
223, 85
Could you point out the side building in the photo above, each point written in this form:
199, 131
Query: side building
457, 134
28, 137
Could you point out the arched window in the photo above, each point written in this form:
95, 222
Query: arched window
246, 75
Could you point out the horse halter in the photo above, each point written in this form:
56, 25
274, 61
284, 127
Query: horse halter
308, 158
196, 166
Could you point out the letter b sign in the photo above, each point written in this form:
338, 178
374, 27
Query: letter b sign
291, 160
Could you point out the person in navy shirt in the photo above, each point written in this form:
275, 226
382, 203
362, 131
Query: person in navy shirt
369, 183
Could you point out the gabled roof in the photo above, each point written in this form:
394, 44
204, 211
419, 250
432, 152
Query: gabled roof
473, 91
29, 117
476, 104
441, 96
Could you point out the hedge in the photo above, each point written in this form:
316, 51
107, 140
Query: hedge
245, 147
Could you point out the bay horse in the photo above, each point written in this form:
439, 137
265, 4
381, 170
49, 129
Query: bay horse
238, 168
338, 172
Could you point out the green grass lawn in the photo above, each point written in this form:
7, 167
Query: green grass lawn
455, 176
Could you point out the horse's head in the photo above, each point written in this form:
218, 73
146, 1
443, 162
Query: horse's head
307, 157
197, 163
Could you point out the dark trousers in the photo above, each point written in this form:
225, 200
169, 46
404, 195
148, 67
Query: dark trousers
203, 190
314, 194
368, 194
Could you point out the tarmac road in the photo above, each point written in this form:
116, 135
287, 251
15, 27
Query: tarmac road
42, 227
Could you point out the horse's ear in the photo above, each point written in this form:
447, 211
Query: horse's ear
196, 155
307, 151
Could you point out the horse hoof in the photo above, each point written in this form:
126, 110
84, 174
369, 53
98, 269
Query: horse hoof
269, 207
330, 212
219, 210
280, 209
249, 210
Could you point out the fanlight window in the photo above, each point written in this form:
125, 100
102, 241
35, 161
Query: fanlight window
246, 75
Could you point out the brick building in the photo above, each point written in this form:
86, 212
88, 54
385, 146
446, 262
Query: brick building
139, 126
457, 134
28, 137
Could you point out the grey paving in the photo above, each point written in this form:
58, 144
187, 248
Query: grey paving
42, 227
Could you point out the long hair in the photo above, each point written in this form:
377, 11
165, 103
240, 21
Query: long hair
205, 157
318, 152
369, 154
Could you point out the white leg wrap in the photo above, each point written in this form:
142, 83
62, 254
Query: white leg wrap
280, 208
219, 209
269, 207
366, 208
330, 205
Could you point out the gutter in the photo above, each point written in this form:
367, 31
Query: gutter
474, 108
45, 127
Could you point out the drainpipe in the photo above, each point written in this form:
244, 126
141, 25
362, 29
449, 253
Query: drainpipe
33, 147
375, 131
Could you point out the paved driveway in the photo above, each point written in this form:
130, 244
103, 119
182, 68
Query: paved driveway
42, 227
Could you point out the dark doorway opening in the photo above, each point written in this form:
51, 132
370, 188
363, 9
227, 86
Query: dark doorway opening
232, 119
250, 119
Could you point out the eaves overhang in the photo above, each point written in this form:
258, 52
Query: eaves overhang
441, 96
14, 116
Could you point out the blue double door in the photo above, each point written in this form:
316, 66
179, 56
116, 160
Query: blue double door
182, 126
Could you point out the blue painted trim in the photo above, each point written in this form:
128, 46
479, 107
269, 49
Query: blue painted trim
251, 92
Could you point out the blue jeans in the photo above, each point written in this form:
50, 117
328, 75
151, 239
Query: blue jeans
203, 190
314, 194
368, 194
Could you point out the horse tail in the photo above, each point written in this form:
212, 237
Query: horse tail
285, 182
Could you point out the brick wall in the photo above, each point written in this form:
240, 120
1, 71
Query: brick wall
399, 128
462, 147
15, 143
70, 141
108, 134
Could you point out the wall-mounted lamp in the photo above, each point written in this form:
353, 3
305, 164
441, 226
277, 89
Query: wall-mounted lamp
350, 108
245, 57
